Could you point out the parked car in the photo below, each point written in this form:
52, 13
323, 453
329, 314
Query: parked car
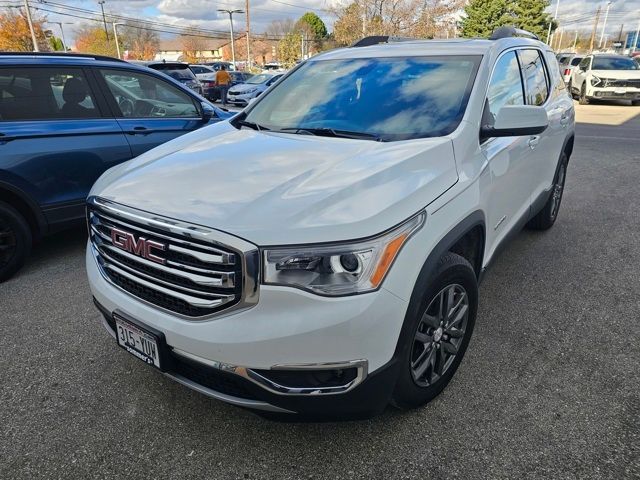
177, 70
564, 57
211, 90
203, 72
64, 120
320, 252
566, 67
252, 88
606, 77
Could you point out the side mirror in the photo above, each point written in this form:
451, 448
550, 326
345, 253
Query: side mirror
517, 120
208, 112
583, 68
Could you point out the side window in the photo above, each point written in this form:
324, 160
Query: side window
505, 87
535, 77
555, 72
45, 94
584, 64
139, 95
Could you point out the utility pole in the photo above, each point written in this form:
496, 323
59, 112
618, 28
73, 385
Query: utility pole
559, 46
33, 32
635, 39
551, 23
364, 20
575, 41
64, 42
104, 19
604, 25
233, 48
248, 35
115, 36
595, 29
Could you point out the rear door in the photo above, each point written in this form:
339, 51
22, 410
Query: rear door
149, 109
56, 136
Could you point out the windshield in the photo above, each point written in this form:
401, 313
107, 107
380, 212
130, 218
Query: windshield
389, 98
260, 78
614, 63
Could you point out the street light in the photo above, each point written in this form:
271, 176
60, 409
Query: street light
104, 19
233, 48
115, 35
60, 24
550, 23
604, 25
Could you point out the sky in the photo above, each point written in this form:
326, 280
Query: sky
573, 14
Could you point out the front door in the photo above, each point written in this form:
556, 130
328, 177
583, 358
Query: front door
509, 158
150, 110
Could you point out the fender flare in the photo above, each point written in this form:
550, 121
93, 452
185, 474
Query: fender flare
31, 204
470, 222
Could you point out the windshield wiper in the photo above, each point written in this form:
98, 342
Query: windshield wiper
332, 132
253, 125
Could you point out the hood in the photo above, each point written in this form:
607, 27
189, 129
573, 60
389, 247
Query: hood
243, 87
271, 188
617, 74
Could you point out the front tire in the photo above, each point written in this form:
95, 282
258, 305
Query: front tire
546, 217
583, 100
15, 241
437, 338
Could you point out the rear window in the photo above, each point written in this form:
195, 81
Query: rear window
45, 94
575, 61
176, 71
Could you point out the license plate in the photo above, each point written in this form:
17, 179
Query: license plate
138, 342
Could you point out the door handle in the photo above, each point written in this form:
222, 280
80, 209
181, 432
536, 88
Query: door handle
140, 131
533, 141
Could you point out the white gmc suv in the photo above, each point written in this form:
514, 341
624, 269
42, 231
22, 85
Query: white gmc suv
320, 252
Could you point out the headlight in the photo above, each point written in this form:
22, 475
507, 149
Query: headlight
595, 80
340, 269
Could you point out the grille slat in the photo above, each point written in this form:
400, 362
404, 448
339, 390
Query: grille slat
183, 275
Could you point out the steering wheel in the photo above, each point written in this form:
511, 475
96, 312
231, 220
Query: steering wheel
126, 107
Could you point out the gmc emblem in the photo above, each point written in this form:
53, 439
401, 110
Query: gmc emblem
141, 247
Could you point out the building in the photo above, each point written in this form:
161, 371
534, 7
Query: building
191, 49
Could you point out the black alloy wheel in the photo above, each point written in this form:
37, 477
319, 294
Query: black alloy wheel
439, 335
15, 240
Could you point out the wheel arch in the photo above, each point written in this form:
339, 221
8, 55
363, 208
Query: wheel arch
27, 207
474, 222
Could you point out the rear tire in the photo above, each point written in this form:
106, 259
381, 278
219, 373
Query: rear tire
15, 241
635, 103
437, 337
546, 217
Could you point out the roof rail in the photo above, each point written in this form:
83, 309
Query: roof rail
377, 39
511, 31
60, 54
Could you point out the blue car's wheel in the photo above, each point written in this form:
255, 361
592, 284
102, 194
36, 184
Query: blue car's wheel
15, 241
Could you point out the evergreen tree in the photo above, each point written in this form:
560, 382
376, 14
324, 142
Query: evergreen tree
484, 16
530, 15
313, 24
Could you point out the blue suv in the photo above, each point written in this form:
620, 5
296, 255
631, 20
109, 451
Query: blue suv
64, 120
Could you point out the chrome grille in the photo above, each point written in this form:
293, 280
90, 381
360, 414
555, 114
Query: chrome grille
191, 276
612, 82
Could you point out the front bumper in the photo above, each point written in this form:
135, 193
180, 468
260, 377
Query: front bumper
224, 357
240, 99
613, 93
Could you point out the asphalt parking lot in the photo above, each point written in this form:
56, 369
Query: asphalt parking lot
549, 388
